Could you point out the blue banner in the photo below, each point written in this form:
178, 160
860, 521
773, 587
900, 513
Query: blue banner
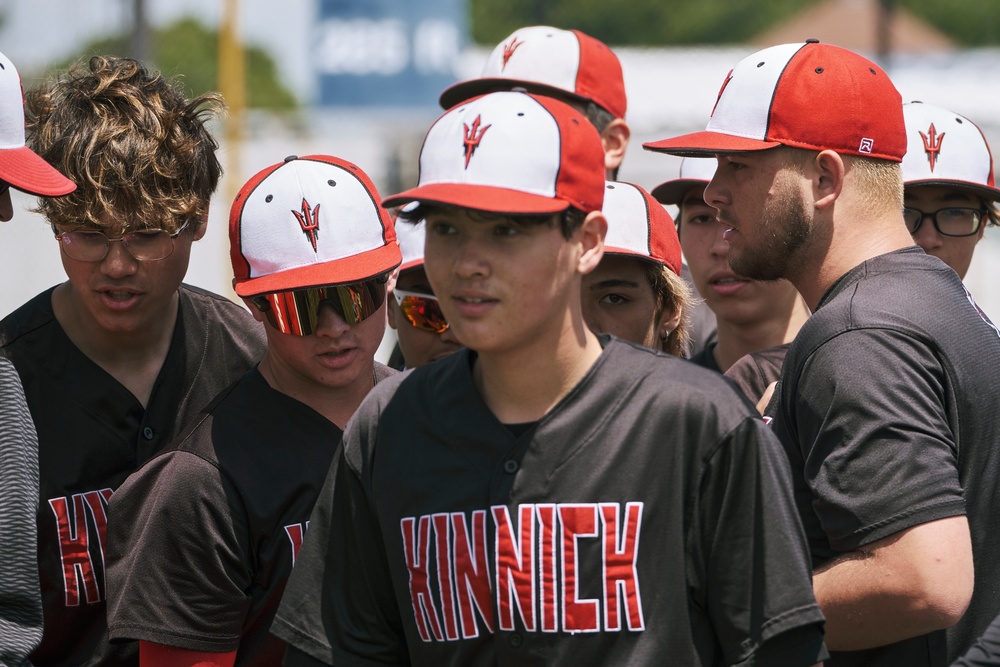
387, 52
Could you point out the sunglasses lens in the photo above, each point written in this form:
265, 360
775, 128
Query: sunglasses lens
297, 312
424, 313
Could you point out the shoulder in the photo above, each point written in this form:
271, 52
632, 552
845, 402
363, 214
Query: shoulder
218, 319
31, 316
208, 304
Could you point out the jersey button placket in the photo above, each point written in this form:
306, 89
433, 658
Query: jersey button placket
515, 640
510, 466
148, 433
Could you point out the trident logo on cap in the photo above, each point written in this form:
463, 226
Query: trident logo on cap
308, 221
508, 51
932, 144
473, 135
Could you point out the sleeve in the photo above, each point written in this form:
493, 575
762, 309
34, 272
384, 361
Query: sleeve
339, 606
754, 577
178, 556
20, 597
986, 651
878, 451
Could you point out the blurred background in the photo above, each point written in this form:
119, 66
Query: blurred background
360, 79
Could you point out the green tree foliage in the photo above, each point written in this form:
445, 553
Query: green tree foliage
189, 49
689, 22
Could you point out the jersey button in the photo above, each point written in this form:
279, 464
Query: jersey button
147, 433
515, 639
510, 466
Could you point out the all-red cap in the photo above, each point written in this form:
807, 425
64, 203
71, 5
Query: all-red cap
307, 222
510, 152
639, 226
694, 171
549, 60
813, 96
946, 148
20, 166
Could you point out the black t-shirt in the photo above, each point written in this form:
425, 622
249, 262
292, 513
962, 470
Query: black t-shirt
92, 433
889, 409
706, 358
754, 372
647, 519
203, 537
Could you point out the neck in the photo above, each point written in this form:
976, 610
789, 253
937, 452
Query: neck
133, 357
522, 385
737, 340
849, 242
337, 404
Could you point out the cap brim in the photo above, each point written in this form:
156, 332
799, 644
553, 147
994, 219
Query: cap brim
26, 171
704, 144
479, 198
672, 192
355, 268
984, 191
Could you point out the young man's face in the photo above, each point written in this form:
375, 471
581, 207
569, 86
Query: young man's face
618, 299
418, 346
955, 251
335, 355
501, 284
762, 210
120, 296
731, 296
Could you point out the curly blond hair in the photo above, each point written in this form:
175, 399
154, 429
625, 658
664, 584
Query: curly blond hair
139, 151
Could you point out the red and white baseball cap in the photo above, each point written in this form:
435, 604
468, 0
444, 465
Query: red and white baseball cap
811, 95
549, 60
308, 222
946, 148
411, 243
510, 152
639, 226
20, 166
694, 171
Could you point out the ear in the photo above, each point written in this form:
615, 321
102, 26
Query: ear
390, 311
669, 320
257, 315
828, 178
615, 139
202, 227
592, 233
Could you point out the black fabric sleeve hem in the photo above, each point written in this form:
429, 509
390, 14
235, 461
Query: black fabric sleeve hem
123, 633
899, 523
800, 647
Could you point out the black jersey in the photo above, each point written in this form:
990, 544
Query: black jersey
889, 408
647, 519
92, 433
753, 373
203, 537
706, 358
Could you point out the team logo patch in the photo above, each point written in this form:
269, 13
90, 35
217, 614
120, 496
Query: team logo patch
729, 77
866, 145
932, 144
309, 220
508, 50
473, 135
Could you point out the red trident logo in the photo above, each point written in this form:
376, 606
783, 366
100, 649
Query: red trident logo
473, 135
932, 144
508, 51
308, 221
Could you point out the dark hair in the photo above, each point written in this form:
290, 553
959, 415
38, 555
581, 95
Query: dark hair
569, 219
132, 142
674, 294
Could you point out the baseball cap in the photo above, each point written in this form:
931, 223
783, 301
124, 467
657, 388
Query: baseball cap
946, 148
306, 222
639, 226
810, 95
694, 171
510, 152
549, 60
20, 166
411, 244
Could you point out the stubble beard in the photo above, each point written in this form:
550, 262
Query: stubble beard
781, 231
